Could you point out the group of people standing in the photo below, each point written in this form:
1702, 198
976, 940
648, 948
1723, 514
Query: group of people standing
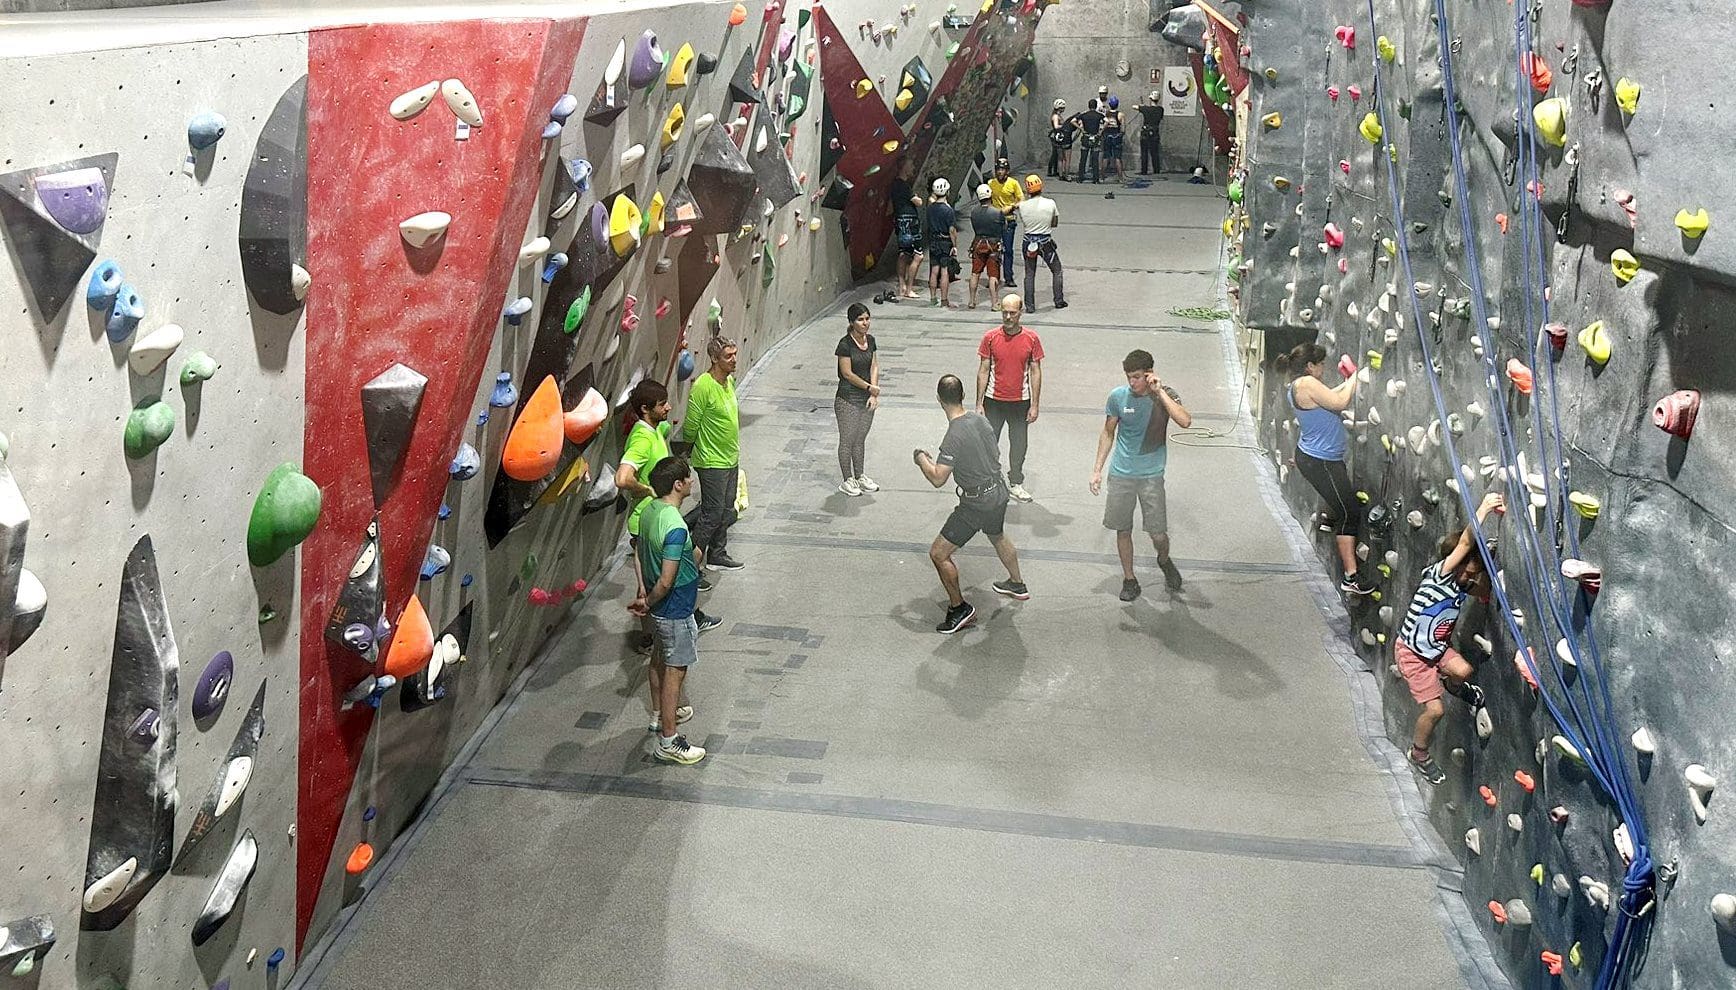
1004, 206
1100, 131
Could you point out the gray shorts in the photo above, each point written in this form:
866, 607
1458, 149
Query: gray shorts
677, 640
1148, 492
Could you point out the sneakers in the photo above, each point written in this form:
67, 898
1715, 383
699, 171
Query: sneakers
1012, 589
1061, 304
1426, 765
1355, 584
1018, 493
682, 714
706, 622
1129, 589
850, 487
721, 561
678, 750
704, 586
957, 617
867, 484
1171, 574
1472, 694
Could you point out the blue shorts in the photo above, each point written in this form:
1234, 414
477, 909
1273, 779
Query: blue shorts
677, 640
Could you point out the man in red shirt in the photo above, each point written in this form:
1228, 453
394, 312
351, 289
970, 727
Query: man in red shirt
1009, 383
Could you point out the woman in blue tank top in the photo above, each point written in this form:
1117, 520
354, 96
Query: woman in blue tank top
1320, 450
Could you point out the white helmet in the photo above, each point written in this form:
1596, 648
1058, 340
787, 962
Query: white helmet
1155, 96
983, 191
1060, 104
941, 187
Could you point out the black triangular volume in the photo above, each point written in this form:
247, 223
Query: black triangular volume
428, 686
741, 84
603, 109
831, 142
273, 237
53, 261
723, 184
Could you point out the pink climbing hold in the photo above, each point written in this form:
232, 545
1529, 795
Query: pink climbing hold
1344, 266
1346, 36
663, 308
1557, 333
1346, 367
1332, 93
1675, 413
1355, 93
1344, 166
1334, 236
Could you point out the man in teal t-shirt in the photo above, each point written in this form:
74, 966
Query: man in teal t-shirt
668, 591
1135, 443
713, 425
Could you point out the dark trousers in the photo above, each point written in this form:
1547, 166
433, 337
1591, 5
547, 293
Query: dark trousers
1148, 153
1052, 257
1055, 159
1012, 416
1007, 253
1088, 159
709, 522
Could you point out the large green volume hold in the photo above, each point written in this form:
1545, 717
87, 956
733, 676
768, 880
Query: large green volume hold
284, 513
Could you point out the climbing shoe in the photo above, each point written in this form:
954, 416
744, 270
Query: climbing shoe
1356, 584
1129, 589
1426, 765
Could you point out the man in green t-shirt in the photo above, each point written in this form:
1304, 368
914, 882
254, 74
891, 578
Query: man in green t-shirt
668, 588
713, 426
647, 444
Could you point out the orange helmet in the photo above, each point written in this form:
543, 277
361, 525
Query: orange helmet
1033, 184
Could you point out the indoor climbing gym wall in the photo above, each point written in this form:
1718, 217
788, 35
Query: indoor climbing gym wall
1504, 222
318, 342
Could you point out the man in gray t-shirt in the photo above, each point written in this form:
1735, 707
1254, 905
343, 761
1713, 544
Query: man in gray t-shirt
989, 229
970, 458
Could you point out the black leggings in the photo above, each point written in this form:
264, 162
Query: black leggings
1332, 481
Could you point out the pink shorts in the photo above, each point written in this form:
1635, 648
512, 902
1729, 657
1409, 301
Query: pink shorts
1423, 676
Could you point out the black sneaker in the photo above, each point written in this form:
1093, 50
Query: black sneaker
1473, 695
1426, 765
721, 561
1171, 574
706, 622
1060, 304
1012, 589
1129, 589
1355, 584
704, 585
957, 618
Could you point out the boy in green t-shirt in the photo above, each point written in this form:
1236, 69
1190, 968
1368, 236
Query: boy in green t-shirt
668, 589
647, 444
713, 425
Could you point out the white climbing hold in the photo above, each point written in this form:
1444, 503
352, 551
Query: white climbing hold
1423, 288
150, 351
1386, 616
1368, 637
1564, 650
1561, 885
1515, 823
1391, 558
566, 206
1700, 785
632, 155
1415, 518
299, 281
415, 101
1457, 754
1559, 814
1485, 724
1723, 908
533, 250
1624, 843
1518, 913
1474, 841
1395, 388
1596, 892
1373, 414
1418, 438
462, 103
1644, 741
703, 121
1566, 748
235, 778
423, 229
108, 888
1475, 409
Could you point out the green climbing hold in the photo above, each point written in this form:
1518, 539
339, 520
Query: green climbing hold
284, 513
576, 312
953, 50
527, 570
266, 614
1234, 190
714, 316
148, 425
768, 268
1404, 109
199, 367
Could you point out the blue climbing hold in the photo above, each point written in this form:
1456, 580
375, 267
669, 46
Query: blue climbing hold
368, 814
466, 463
563, 108
124, 314
464, 582
551, 130
552, 266
104, 284
275, 959
482, 418
684, 366
579, 171
206, 129
505, 396
515, 311
435, 561
445, 512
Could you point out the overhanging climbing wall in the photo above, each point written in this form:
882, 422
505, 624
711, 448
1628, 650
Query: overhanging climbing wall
1508, 220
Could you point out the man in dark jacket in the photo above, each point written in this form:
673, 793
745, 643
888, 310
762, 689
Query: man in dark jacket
1150, 121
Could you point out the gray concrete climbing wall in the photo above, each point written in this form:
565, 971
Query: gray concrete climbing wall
1532, 827
134, 491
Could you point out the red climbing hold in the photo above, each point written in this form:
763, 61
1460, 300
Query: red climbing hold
1500, 912
1334, 236
1519, 375
1346, 367
1525, 780
1538, 70
1488, 796
1551, 960
1346, 36
1675, 413
1557, 333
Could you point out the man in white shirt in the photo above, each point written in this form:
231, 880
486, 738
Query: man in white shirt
1039, 216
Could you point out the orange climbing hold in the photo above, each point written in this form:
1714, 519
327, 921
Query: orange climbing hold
583, 420
1551, 960
412, 642
1500, 912
1488, 796
1538, 70
533, 448
360, 859
737, 15
1525, 780
1520, 376
1502, 221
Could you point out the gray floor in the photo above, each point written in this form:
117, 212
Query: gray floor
1075, 793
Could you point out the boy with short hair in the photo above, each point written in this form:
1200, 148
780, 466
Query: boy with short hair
669, 592
1136, 432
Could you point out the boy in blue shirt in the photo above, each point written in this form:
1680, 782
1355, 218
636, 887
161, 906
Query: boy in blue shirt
669, 590
1135, 443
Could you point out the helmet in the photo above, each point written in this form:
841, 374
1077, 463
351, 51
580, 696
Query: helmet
1002, 163
1114, 102
941, 187
1155, 96
1060, 104
1033, 184
983, 191
1104, 90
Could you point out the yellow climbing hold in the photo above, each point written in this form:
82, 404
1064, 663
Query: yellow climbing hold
864, 86
1537, 874
1627, 95
1280, 183
1692, 224
1595, 339
1586, 505
1624, 264
1575, 955
1374, 359
624, 219
1386, 48
890, 146
1389, 245
1551, 118
1273, 120
908, 82
1271, 74
1370, 128
654, 215
902, 100
1229, 226
673, 125
680, 66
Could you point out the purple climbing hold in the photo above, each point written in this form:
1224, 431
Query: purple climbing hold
505, 396
76, 199
445, 511
358, 636
124, 314
786, 43
647, 63
368, 813
213, 687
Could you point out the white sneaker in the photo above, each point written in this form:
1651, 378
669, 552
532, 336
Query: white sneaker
867, 484
682, 714
1019, 494
850, 487
679, 750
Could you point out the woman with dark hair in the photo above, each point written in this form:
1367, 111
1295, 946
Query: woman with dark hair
858, 396
906, 227
1321, 447
1060, 141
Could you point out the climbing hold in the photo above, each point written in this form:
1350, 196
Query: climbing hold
1355, 93
149, 424
1595, 340
226, 892
104, 284
1588, 576
108, 888
206, 129
435, 561
1627, 95
1567, 749
1518, 913
1564, 652
532, 250
1346, 36
632, 156
1525, 780
124, 314
462, 103
1558, 815
684, 365
1474, 841
424, 228
1488, 795
863, 87
533, 448
390, 403
283, 514
299, 282
1515, 823
410, 104
213, 687
647, 62
1550, 116
515, 311
1537, 874
680, 66
1700, 786
150, 350
1586, 505
1385, 47
1370, 128
673, 125
412, 641
576, 312
1675, 413
1538, 71
1596, 892
1334, 236
505, 395
737, 15
1557, 334
582, 421
1520, 376
1624, 265
1272, 121
563, 108
360, 859
1575, 956
1498, 911
1694, 224
1644, 742
624, 219
553, 266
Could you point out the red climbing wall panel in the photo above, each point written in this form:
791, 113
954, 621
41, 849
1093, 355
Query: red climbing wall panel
370, 308
864, 125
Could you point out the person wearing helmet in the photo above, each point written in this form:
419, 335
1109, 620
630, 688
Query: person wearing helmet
1112, 134
1150, 121
941, 244
1005, 193
906, 226
1039, 215
988, 225
1060, 141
